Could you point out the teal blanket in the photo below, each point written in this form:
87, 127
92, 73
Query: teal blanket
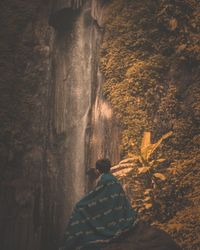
100, 217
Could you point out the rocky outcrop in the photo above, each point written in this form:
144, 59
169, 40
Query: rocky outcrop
64, 13
99, 11
143, 237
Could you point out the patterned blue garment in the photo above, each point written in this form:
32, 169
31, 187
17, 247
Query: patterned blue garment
100, 217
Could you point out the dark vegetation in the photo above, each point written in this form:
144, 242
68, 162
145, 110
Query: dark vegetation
150, 60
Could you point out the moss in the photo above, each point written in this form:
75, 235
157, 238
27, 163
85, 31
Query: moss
137, 55
149, 58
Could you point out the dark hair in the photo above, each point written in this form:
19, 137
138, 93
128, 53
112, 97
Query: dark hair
103, 165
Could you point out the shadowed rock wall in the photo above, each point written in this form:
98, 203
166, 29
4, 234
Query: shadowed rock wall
30, 182
34, 190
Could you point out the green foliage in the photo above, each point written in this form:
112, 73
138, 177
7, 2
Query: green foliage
150, 60
145, 44
149, 167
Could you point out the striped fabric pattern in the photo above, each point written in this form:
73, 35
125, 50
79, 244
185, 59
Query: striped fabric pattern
101, 216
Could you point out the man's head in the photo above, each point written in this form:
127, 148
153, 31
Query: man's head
103, 165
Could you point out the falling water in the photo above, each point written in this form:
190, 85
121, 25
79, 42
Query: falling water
73, 98
80, 94
81, 114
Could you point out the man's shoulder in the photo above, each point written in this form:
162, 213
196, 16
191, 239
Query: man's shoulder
108, 177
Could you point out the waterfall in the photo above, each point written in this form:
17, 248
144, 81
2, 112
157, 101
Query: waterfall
73, 53
80, 100
81, 114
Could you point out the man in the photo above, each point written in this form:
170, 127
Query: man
101, 216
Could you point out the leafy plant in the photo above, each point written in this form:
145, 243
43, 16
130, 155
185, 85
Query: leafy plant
147, 149
148, 171
149, 167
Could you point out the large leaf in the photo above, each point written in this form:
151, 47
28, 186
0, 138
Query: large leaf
147, 191
134, 158
156, 162
122, 172
148, 205
160, 160
143, 170
147, 149
148, 198
146, 140
160, 176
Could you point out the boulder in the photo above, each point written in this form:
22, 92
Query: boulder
144, 237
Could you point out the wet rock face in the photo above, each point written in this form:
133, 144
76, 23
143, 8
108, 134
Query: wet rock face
144, 237
26, 44
61, 4
99, 11
64, 13
33, 188
63, 19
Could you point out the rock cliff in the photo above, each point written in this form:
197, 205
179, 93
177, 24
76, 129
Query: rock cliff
49, 84
147, 79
